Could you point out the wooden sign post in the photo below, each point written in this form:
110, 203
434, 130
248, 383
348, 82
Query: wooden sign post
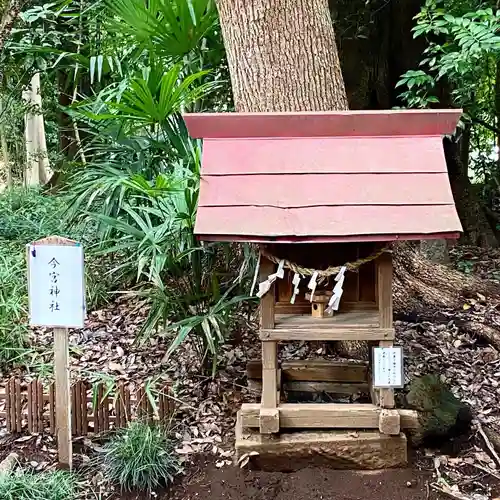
56, 288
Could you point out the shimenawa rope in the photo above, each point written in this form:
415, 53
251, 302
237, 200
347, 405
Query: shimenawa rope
330, 271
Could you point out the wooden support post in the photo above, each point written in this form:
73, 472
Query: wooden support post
384, 287
384, 282
63, 403
269, 421
269, 415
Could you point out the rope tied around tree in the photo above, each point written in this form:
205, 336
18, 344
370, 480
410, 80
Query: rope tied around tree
329, 271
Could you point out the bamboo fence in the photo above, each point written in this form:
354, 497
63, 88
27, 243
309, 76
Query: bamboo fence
30, 406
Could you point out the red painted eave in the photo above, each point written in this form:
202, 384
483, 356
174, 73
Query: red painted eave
414, 122
330, 239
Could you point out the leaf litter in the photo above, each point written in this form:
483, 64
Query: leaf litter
207, 407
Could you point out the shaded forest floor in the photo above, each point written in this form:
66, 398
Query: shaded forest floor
204, 481
208, 482
207, 410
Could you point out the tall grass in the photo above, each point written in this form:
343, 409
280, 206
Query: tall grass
21, 485
13, 329
140, 457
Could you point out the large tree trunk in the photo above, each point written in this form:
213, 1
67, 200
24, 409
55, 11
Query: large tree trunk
282, 55
372, 64
376, 47
477, 229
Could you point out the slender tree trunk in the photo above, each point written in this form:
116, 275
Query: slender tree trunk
67, 143
37, 163
282, 55
8, 18
5, 150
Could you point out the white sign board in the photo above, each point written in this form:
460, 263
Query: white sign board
388, 367
56, 285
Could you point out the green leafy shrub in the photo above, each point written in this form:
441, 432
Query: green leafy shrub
13, 329
140, 457
145, 217
140, 183
27, 215
53, 485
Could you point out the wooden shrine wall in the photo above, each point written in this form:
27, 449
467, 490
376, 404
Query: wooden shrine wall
359, 287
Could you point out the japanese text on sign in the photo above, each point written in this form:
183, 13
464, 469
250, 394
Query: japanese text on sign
56, 285
388, 367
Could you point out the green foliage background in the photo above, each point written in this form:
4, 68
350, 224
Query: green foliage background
121, 73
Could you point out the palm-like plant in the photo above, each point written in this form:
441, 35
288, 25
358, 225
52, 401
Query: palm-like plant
149, 112
174, 27
141, 181
153, 234
152, 99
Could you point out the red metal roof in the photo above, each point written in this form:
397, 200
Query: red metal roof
323, 177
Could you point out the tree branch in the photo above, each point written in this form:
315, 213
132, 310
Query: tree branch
478, 121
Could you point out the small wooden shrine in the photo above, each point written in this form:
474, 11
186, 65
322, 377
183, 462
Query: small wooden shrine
325, 195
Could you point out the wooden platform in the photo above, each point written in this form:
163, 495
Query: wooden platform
324, 334
355, 318
340, 390
339, 449
362, 324
336, 378
326, 416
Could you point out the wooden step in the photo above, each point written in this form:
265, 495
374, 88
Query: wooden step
284, 334
326, 416
335, 448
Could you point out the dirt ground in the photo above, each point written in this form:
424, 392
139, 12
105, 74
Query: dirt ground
205, 481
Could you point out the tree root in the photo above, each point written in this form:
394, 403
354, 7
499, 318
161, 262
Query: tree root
427, 291
420, 284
